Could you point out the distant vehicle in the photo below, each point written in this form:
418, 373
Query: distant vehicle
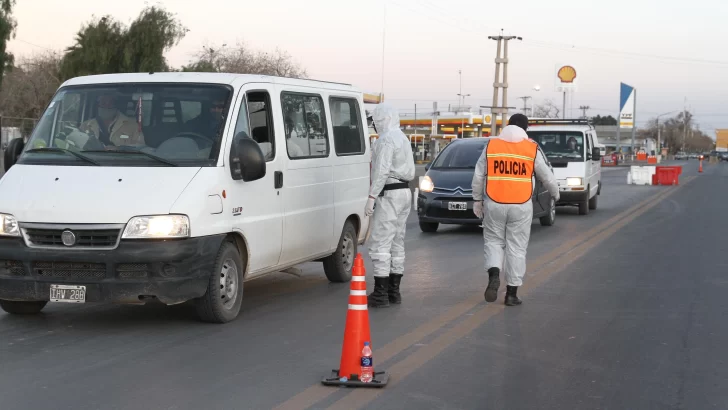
446, 195
578, 168
211, 179
681, 155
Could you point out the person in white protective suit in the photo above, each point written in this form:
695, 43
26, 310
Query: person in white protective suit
393, 167
503, 186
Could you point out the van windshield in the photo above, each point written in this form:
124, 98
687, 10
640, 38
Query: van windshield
560, 145
131, 124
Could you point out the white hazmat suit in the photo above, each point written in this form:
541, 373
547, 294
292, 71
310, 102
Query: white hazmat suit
507, 227
392, 163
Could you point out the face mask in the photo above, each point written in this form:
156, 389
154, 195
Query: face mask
107, 114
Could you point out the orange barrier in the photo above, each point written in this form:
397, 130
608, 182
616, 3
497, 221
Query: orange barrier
641, 156
356, 332
651, 159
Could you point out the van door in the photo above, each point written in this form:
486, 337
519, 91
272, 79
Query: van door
257, 206
308, 194
594, 165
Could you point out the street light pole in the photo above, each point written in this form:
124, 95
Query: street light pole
659, 146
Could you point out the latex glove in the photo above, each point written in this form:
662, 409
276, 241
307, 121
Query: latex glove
478, 209
369, 209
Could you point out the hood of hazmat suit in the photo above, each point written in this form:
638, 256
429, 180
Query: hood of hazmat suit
392, 163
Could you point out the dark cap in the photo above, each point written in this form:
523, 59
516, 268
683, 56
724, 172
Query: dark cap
519, 120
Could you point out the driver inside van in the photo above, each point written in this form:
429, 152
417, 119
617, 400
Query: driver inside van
110, 126
572, 145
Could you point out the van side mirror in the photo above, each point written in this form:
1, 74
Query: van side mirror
427, 166
12, 152
596, 154
246, 159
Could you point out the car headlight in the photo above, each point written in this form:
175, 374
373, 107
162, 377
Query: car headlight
574, 181
157, 226
9, 225
426, 184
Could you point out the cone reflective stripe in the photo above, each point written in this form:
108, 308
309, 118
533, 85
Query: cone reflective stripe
357, 323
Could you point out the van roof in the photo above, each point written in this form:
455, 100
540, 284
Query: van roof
210, 78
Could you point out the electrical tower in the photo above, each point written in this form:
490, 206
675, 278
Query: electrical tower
497, 84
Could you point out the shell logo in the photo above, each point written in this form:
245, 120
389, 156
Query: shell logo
567, 74
487, 118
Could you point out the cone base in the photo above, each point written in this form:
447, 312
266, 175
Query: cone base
380, 380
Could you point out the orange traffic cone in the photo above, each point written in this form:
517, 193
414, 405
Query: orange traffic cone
700, 168
356, 333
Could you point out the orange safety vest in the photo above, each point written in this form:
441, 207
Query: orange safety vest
510, 170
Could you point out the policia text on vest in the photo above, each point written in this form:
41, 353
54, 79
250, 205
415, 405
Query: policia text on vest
510, 171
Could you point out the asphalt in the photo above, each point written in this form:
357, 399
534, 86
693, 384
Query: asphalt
623, 308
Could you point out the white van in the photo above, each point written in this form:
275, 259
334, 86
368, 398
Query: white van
573, 149
181, 186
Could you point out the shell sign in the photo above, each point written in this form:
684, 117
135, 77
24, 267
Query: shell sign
565, 78
567, 74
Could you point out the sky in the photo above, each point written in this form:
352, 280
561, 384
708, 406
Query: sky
672, 52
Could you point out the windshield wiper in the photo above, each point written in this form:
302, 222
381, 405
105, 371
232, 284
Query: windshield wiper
146, 154
66, 151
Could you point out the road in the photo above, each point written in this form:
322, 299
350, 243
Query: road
623, 308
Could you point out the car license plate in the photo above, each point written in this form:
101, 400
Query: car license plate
68, 293
457, 206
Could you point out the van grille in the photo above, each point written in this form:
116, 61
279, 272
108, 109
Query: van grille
77, 270
85, 238
12, 268
132, 270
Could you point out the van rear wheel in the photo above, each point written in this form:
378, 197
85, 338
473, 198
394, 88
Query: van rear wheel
339, 265
224, 297
22, 308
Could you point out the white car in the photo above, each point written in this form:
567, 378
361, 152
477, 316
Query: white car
196, 184
574, 151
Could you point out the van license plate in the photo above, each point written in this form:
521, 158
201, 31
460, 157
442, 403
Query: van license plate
457, 206
68, 293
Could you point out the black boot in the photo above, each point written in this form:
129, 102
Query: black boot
394, 296
491, 292
511, 298
379, 297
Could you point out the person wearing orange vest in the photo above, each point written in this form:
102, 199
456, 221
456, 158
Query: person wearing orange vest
503, 185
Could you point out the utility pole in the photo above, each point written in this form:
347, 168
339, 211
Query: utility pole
525, 104
503, 109
583, 109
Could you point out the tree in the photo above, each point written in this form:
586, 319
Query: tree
7, 31
242, 59
106, 46
677, 131
546, 110
29, 86
606, 120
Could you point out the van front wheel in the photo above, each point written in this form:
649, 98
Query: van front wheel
224, 297
22, 308
339, 265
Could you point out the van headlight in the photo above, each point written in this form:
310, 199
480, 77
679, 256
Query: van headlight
9, 225
157, 226
576, 181
426, 185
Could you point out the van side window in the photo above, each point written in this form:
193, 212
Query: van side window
260, 127
305, 121
348, 131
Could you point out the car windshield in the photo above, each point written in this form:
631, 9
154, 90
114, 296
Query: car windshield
459, 155
131, 124
560, 145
